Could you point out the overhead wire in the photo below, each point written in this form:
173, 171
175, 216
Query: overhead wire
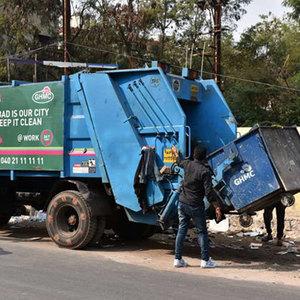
178, 67
4, 58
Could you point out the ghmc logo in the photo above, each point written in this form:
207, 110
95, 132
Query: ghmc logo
43, 96
247, 172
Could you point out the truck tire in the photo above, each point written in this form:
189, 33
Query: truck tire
70, 222
96, 240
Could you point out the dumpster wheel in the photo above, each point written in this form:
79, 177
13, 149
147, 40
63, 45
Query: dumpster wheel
245, 220
287, 200
69, 222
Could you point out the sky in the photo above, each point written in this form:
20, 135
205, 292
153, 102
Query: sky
256, 8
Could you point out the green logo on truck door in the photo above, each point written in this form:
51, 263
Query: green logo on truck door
31, 127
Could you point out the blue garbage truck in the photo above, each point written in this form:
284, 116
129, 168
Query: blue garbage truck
94, 150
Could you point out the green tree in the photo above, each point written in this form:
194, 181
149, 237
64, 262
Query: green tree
295, 5
25, 25
268, 52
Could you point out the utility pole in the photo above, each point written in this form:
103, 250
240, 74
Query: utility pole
217, 41
66, 30
8, 69
35, 68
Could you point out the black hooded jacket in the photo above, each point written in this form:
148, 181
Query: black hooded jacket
197, 182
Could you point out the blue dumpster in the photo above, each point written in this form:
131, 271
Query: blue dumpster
253, 171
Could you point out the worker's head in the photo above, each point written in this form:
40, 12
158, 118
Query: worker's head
199, 152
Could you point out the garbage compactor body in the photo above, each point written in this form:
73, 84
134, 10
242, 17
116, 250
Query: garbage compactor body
80, 139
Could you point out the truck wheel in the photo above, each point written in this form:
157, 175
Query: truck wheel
4, 218
69, 222
99, 232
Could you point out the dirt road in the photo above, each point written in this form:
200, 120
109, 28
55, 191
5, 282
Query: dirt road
235, 258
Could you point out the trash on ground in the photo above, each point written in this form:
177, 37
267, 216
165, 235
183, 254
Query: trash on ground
234, 247
223, 226
288, 244
249, 233
109, 246
255, 246
281, 252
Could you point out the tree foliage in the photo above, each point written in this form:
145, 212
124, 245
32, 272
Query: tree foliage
134, 32
268, 52
25, 25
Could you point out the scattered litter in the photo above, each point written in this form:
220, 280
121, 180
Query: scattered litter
171, 236
288, 244
41, 216
223, 226
255, 246
108, 246
234, 247
249, 233
282, 252
34, 238
292, 250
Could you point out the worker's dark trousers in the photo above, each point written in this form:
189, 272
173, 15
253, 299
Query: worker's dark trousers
280, 213
197, 214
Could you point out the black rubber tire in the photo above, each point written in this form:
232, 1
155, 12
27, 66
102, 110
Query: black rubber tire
66, 205
4, 218
96, 240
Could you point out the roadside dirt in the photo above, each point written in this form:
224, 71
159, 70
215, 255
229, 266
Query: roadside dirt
233, 254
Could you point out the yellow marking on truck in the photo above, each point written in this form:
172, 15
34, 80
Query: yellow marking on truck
169, 156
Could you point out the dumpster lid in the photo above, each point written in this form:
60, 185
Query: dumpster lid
283, 147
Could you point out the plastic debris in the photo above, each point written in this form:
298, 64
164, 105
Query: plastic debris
288, 244
41, 216
249, 233
234, 247
255, 246
281, 252
223, 226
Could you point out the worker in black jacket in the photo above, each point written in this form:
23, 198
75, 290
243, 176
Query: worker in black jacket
197, 183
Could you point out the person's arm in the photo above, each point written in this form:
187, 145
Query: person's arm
210, 194
181, 162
